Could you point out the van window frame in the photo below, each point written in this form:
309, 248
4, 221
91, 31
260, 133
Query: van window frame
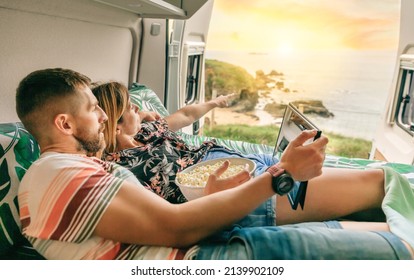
405, 101
194, 62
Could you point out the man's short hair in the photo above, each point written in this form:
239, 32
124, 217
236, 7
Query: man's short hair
38, 90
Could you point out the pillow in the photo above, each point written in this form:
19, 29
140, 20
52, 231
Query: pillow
146, 99
18, 150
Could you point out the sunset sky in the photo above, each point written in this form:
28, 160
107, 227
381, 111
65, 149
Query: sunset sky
289, 25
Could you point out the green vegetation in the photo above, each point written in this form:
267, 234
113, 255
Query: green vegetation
227, 78
338, 145
348, 147
242, 132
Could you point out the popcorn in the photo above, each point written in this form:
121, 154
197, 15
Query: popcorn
198, 176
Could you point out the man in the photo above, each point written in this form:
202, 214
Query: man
77, 207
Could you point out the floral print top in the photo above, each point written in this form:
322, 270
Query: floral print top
165, 153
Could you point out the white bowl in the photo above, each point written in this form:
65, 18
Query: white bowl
193, 192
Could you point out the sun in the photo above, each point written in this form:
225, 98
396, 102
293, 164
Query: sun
285, 48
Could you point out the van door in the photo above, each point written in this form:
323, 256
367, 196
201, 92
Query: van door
394, 141
395, 137
185, 66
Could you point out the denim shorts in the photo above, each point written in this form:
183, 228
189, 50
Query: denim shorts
305, 241
265, 214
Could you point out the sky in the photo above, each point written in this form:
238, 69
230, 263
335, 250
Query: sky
289, 25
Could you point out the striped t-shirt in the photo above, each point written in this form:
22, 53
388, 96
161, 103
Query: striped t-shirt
62, 198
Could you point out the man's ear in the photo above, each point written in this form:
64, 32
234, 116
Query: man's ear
63, 123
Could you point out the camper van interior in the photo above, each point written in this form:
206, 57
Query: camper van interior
157, 48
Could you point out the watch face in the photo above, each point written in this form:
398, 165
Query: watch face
285, 184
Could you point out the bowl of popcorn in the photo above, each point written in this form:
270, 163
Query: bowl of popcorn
193, 179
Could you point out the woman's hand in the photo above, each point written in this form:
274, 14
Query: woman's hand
192, 112
222, 100
215, 184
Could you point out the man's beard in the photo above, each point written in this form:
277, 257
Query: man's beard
91, 145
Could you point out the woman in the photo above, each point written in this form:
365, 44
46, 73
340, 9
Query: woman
155, 153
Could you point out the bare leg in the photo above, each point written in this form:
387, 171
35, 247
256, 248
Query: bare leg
336, 193
367, 226
364, 226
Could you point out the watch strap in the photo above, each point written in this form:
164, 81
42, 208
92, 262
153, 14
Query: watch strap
275, 170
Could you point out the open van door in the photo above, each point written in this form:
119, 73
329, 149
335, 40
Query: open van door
185, 66
394, 141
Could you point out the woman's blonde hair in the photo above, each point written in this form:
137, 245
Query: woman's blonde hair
113, 98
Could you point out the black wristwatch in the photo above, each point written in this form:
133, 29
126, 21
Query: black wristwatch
282, 181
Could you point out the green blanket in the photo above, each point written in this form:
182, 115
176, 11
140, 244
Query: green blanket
398, 205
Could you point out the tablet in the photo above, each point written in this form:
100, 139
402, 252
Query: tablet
294, 122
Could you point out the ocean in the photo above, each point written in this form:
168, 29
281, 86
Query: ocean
353, 85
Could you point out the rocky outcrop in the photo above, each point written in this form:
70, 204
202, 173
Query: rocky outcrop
315, 107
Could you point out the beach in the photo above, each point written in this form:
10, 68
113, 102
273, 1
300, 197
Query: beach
223, 116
